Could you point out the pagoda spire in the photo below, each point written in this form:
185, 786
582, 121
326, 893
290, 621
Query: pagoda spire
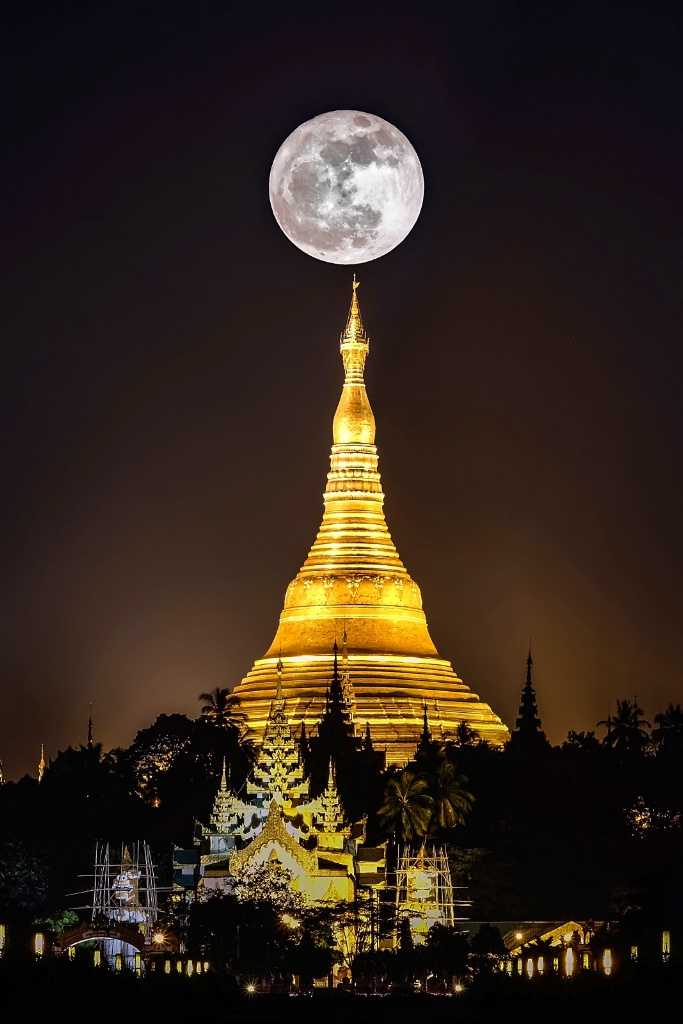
427, 747
367, 743
528, 724
354, 332
90, 729
426, 734
41, 763
354, 422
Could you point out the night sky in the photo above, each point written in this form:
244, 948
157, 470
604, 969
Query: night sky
171, 363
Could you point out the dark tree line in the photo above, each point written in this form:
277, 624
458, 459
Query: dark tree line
592, 828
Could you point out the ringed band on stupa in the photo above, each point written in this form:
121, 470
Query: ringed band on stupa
354, 584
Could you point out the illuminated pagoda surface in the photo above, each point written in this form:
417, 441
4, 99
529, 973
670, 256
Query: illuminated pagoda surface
354, 581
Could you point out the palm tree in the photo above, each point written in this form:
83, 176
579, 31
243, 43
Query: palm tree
452, 802
465, 735
668, 736
222, 708
407, 808
626, 730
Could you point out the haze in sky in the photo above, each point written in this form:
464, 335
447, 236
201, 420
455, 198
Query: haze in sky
171, 362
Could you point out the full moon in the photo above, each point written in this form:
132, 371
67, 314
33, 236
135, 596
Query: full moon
346, 187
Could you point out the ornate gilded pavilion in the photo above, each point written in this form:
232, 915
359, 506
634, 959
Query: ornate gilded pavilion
279, 826
353, 579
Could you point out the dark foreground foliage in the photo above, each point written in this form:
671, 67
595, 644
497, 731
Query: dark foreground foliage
33, 990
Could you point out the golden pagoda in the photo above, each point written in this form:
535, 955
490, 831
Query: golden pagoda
353, 581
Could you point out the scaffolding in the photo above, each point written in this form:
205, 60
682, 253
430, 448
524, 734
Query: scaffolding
425, 894
124, 893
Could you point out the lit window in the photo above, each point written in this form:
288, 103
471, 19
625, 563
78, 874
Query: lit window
666, 945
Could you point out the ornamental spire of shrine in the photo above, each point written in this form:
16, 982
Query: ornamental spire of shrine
278, 773
331, 816
226, 806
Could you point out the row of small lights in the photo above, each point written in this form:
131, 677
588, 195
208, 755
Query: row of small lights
585, 958
191, 967
569, 963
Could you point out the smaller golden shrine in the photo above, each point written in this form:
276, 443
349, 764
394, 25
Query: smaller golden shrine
279, 834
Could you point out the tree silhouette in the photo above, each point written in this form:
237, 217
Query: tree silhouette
627, 732
407, 808
667, 737
222, 708
451, 800
465, 735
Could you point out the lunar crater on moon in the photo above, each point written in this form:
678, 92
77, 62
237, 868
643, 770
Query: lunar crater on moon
346, 187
